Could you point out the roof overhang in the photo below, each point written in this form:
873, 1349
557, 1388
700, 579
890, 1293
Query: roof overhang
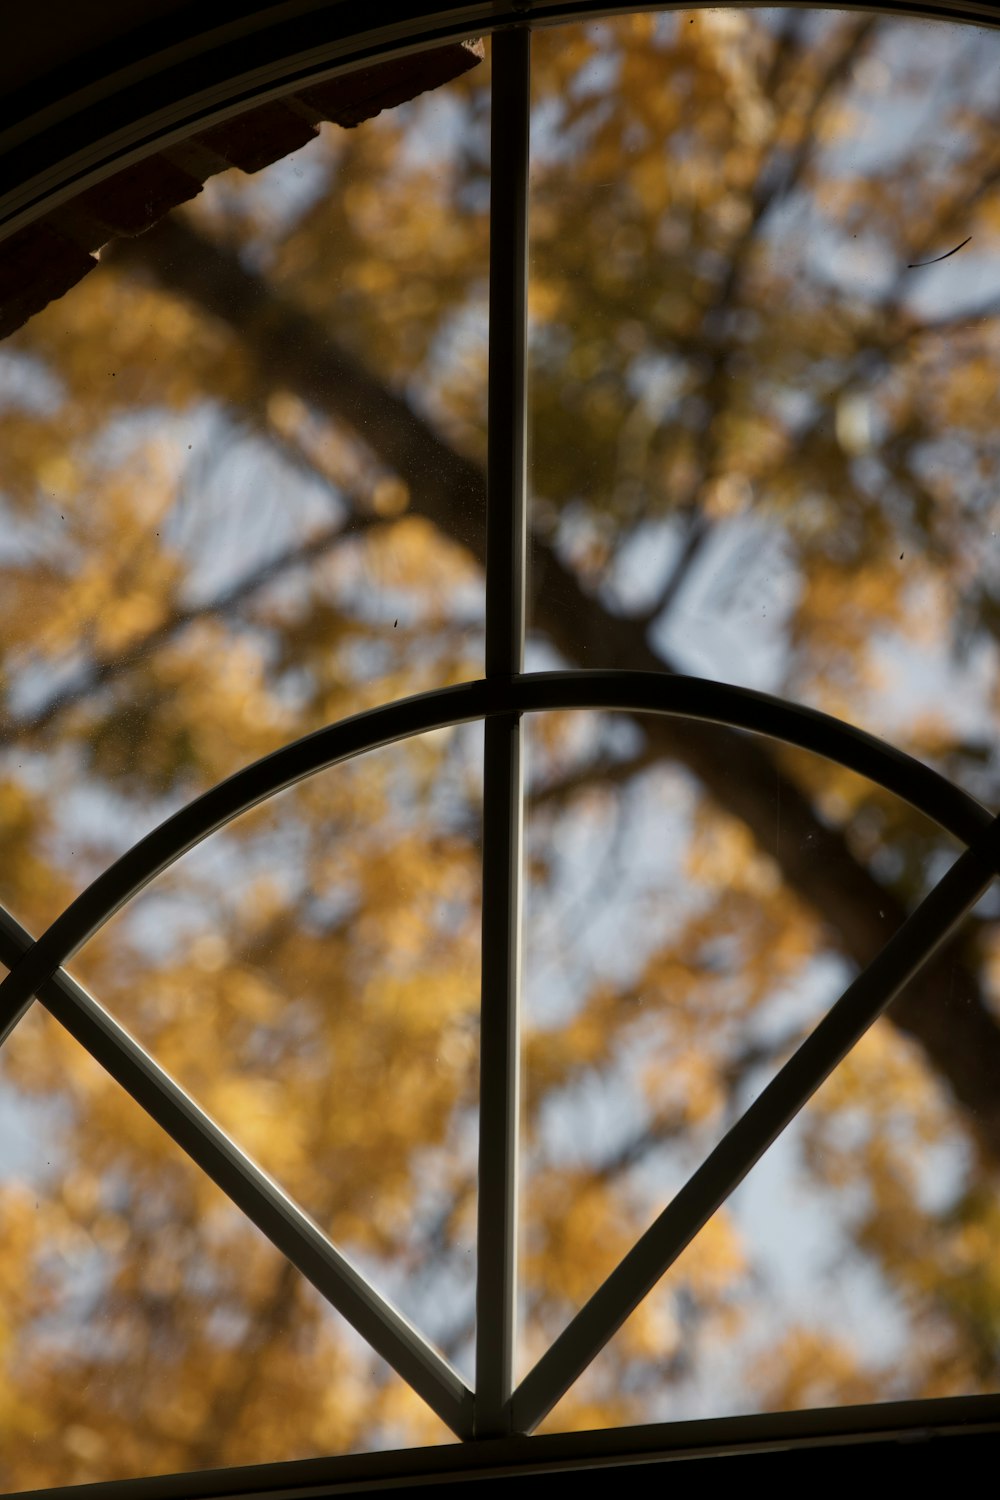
86, 91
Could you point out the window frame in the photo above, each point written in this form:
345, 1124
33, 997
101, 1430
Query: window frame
494, 1421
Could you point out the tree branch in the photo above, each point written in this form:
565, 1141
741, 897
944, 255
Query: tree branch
105, 670
943, 1009
781, 171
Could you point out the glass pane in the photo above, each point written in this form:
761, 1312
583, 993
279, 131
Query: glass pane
219, 531
764, 438
311, 977
855, 1264
669, 972
147, 1326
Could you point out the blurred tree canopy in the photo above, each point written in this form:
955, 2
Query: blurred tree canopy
242, 482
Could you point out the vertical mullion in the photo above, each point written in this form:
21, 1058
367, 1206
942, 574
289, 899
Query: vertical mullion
496, 1288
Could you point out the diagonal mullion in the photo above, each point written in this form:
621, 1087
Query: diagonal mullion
499, 1091
741, 1147
290, 1230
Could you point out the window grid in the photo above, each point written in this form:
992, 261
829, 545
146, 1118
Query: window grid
503, 799
497, 1409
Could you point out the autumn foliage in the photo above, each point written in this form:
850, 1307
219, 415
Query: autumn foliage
241, 478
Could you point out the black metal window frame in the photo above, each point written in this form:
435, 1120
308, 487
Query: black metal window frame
494, 1420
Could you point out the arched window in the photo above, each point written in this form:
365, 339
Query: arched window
509, 589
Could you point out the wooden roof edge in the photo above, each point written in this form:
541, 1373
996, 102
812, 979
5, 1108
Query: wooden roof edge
41, 262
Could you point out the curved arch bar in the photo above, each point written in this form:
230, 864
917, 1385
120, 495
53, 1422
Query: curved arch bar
761, 713
621, 692
186, 74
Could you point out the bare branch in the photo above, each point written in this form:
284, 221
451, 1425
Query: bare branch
108, 669
604, 772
